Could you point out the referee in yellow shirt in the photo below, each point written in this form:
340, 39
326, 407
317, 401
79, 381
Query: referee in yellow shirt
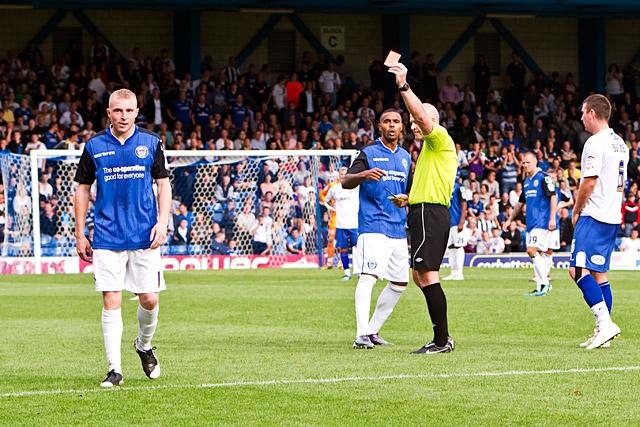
428, 202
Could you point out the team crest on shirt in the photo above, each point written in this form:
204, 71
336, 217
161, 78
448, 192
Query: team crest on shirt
535, 183
372, 265
142, 152
404, 164
590, 163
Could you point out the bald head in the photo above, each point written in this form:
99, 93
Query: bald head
422, 124
529, 163
431, 111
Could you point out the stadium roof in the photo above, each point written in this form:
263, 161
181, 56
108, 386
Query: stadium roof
496, 8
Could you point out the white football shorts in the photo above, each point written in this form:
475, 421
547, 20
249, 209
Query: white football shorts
382, 256
554, 239
539, 238
139, 271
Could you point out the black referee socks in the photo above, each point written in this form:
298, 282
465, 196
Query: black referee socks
437, 306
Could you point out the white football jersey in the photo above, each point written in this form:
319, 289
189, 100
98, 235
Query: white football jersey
605, 155
466, 237
347, 203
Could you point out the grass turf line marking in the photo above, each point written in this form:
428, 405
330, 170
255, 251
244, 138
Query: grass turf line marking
324, 381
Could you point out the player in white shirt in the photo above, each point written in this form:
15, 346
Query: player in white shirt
469, 236
597, 216
630, 244
346, 204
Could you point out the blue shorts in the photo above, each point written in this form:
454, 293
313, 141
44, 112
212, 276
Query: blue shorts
592, 244
346, 237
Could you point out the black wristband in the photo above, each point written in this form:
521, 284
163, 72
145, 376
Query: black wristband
405, 87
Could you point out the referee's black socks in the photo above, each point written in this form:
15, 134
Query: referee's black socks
437, 305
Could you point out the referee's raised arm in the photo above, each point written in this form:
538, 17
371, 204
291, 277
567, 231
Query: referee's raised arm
411, 100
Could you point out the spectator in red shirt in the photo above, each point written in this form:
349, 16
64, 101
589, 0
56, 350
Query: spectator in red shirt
294, 89
629, 214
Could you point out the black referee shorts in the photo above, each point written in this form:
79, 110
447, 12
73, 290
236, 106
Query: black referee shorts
429, 231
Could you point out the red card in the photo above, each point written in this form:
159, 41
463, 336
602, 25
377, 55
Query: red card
392, 58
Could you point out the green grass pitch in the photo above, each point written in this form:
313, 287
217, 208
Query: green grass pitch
273, 348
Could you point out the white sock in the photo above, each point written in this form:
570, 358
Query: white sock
549, 262
386, 302
364, 288
540, 269
147, 321
347, 272
601, 312
112, 331
458, 255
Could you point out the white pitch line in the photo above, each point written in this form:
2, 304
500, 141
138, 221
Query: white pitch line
324, 381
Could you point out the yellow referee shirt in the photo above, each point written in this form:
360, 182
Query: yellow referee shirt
436, 169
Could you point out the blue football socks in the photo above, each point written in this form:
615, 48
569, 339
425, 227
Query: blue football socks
605, 288
590, 290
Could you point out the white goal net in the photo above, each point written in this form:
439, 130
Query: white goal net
230, 208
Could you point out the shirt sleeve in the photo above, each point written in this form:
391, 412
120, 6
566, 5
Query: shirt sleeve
86, 172
466, 194
591, 160
360, 164
548, 187
438, 139
159, 167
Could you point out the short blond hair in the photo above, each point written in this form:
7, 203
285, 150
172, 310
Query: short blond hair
124, 94
532, 156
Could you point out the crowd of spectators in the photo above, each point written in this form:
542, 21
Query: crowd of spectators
268, 206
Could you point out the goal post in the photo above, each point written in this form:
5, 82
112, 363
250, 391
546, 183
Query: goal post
286, 182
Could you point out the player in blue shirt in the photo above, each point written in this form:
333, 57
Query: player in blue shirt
381, 169
129, 228
458, 212
539, 194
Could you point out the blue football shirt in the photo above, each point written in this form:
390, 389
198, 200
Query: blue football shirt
377, 214
125, 206
536, 193
458, 196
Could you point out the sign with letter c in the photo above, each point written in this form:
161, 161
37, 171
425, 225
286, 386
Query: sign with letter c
332, 37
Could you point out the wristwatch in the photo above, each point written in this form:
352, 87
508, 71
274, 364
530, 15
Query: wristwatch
405, 87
